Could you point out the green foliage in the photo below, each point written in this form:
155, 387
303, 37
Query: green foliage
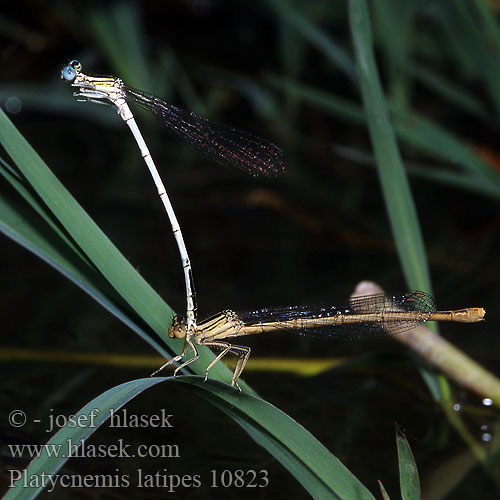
395, 59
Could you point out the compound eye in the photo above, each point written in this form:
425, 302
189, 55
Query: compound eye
70, 71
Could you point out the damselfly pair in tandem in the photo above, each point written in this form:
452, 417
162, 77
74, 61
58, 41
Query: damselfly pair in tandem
357, 317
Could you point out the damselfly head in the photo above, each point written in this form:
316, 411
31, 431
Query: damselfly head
178, 329
70, 71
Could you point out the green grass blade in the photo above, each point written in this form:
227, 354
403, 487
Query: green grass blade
95, 245
385, 495
23, 189
394, 181
450, 91
320, 472
28, 231
396, 21
295, 17
408, 473
399, 201
483, 50
335, 105
446, 177
487, 14
413, 130
428, 137
88, 420
119, 31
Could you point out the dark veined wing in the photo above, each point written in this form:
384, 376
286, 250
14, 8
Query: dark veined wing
316, 320
228, 145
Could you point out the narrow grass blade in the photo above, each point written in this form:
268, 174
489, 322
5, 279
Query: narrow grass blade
396, 21
450, 91
399, 201
470, 27
119, 32
395, 187
413, 130
307, 28
385, 495
94, 244
59, 447
449, 178
27, 230
408, 474
320, 472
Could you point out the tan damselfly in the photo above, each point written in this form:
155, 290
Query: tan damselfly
358, 317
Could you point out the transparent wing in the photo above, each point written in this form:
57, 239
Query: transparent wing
229, 146
372, 315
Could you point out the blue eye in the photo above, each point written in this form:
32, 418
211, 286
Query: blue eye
68, 73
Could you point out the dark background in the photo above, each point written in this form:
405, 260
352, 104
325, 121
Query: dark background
310, 235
